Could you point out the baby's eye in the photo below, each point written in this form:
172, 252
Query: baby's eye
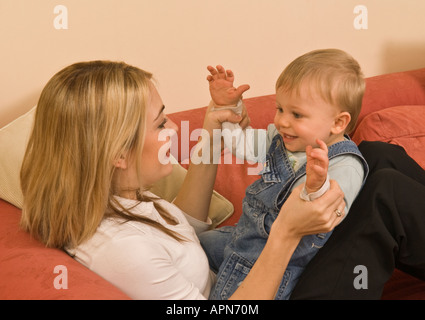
279, 109
297, 115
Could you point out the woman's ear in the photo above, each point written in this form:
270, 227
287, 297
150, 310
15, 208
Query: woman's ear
341, 122
121, 163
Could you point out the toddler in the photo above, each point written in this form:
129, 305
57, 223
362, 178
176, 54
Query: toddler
318, 100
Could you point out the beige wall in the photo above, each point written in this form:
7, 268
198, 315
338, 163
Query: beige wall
177, 39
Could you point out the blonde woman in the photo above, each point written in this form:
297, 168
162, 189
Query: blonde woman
91, 157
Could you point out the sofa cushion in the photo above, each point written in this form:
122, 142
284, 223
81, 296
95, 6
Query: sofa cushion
394, 89
29, 270
400, 125
13, 141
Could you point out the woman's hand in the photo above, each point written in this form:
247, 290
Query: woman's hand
214, 118
298, 218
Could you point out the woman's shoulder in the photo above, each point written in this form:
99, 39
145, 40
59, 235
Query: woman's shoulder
118, 238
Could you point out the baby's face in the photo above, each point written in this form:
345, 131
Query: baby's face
302, 118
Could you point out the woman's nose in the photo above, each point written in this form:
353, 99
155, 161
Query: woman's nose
171, 125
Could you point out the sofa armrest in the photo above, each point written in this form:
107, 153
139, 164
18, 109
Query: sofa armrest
27, 268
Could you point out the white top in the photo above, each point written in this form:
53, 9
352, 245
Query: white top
143, 261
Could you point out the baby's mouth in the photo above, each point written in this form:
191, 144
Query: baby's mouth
287, 136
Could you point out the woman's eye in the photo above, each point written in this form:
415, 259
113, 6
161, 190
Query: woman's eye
162, 125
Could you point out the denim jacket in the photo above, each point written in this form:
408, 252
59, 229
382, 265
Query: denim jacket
262, 203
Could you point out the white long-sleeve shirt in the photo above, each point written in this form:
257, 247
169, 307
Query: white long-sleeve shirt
143, 261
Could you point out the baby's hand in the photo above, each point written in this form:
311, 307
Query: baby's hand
317, 166
222, 91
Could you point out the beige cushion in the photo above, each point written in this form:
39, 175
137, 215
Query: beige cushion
13, 141
168, 187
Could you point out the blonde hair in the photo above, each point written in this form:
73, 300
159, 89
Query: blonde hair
337, 76
88, 115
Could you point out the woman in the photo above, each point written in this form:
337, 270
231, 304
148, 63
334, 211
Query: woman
94, 152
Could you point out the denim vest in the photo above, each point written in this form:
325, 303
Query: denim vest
261, 205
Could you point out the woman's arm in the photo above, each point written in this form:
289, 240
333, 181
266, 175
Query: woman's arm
296, 219
194, 196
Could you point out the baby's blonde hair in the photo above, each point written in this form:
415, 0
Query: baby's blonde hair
89, 115
337, 77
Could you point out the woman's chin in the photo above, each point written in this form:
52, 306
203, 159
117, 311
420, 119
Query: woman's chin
167, 169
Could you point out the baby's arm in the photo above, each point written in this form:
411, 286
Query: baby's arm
317, 180
225, 96
348, 171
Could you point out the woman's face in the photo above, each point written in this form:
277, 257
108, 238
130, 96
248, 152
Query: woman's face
155, 162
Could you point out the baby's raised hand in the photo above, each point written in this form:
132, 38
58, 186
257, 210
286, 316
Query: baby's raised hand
222, 91
317, 166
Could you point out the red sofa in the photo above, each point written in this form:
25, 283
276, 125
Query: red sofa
393, 108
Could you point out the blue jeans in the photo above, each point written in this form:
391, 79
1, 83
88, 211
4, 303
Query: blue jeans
232, 267
213, 243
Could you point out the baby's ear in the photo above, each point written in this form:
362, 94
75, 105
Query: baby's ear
341, 122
